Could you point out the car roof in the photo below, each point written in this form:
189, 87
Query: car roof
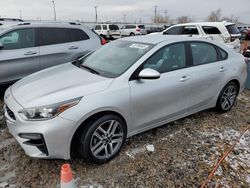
156, 39
205, 23
47, 24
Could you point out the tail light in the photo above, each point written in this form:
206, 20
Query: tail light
138, 29
103, 41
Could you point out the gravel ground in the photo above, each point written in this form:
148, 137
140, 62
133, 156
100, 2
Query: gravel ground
183, 154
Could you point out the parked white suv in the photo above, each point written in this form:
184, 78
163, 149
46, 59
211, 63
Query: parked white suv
108, 31
224, 32
133, 29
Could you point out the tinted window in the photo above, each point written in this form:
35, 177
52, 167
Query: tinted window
22, 38
78, 35
168, 59
211, 30
173, 31
203, 53
114, 58
49, 36
141, 26
223, 54
232, 29
190, 30
104, 27
113, 27
130, 26
98, 27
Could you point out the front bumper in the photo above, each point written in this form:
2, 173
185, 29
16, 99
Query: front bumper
56, 134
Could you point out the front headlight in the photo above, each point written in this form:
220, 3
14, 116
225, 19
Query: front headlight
47, 112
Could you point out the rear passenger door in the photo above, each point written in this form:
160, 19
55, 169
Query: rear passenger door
209, 69
56, 46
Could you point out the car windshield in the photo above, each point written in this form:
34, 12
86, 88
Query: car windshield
113, 59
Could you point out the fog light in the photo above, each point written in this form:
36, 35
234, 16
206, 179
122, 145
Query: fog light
35, 139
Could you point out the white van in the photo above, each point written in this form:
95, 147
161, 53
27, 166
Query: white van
107, 31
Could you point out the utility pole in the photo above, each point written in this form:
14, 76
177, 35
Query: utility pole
20, 14
166, 15
124, 18
155, 12
96, 14
54, 7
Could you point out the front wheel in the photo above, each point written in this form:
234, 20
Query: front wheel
227, 97
103, 139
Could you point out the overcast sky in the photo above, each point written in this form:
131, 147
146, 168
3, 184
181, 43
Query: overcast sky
113, 10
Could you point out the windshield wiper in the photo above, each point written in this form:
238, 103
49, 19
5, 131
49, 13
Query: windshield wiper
90, 69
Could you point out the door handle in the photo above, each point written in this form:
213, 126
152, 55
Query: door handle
184, 78
73, 47
222, 69
30, 53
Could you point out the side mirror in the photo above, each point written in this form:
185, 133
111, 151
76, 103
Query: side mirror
1, 46
149, 74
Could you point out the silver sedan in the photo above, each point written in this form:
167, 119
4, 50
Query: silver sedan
89, 107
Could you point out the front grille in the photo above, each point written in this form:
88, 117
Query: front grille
10, 113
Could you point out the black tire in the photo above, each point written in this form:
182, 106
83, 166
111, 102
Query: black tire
88, 138
227, 98
131, 34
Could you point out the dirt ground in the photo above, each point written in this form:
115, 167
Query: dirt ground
185, 152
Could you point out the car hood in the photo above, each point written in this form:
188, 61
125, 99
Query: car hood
57, 84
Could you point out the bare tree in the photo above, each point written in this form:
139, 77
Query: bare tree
184, 19
162, 19
231, 18
214, 16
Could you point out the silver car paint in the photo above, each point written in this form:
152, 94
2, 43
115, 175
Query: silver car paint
143, 104
18, 63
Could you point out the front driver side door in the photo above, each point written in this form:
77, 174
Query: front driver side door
19, 56
154, 102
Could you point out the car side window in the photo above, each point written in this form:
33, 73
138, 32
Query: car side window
21, 38
203, 53
223, 54
168, 58
173, 31
50, 36
78, 35
190, 30
211, 30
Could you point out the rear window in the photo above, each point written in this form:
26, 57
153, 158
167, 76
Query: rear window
141, 26
113, 27
130, 26
78, 35
104, 27
232, 29
211, 30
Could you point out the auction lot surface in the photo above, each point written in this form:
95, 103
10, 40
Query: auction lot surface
184, 153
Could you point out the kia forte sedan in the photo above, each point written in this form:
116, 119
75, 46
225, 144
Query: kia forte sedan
89, 107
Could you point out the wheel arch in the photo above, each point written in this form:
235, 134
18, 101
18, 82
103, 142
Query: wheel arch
81, 127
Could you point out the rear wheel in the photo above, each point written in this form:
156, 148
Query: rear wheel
227, 97
102, 139
132, 34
